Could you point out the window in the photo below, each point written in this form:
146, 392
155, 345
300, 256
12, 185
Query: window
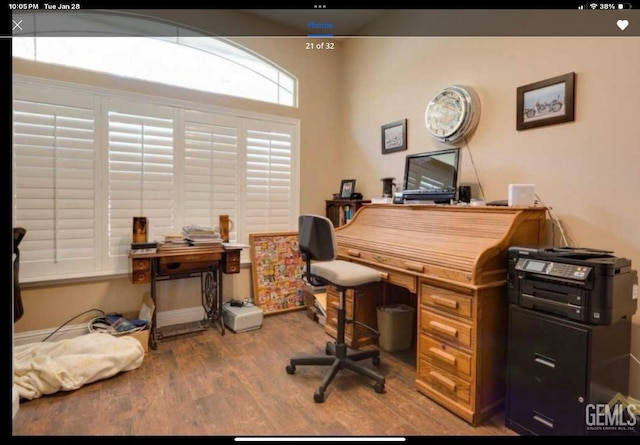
87, 160
151, 50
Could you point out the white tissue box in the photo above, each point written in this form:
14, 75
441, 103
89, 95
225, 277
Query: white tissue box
521, 195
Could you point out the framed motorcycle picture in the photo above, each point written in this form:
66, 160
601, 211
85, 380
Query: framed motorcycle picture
547, 102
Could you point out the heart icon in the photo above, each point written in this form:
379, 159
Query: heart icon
622, 24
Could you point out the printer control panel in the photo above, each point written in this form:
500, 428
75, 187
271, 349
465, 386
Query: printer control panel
555, 269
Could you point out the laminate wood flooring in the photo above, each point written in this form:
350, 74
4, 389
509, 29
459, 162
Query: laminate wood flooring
207, 384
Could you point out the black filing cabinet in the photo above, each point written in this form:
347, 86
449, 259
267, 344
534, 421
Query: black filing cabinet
556, 367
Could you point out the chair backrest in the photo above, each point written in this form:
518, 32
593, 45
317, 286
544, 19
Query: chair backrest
316, 238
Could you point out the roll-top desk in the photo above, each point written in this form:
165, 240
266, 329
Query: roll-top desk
454, 258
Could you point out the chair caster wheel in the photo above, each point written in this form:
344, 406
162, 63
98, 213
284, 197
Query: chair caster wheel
327, 349
291, 369
318, 397
375, 361
379, 387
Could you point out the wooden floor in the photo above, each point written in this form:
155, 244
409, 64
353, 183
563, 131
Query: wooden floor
236, 385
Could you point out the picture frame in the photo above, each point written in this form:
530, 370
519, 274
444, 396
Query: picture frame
347, 187
546, 102
394, 137
276, 271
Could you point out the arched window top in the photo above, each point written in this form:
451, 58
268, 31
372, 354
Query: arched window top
151, 50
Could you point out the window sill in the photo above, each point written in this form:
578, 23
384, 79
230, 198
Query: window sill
34, 283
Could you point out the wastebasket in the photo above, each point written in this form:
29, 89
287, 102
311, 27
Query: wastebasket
395, 325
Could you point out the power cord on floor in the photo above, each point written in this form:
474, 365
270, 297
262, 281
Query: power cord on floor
70, 320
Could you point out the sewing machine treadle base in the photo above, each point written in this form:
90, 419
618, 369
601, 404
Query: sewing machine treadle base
181, 329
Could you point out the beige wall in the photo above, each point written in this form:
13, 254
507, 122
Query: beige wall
585, 170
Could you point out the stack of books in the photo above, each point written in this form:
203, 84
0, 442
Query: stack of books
201, 236
172, 241
140, 248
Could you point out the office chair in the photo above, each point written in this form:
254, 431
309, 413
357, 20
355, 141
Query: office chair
317, 244
18, 309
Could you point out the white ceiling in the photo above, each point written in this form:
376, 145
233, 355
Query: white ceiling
344, 21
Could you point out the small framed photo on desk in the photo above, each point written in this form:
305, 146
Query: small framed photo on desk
347, 187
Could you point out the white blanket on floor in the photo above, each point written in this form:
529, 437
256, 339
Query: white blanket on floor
48, 367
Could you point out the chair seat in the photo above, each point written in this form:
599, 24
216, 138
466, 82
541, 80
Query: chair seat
345, 273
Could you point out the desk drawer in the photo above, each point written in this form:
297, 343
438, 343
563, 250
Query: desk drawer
446, 300
445, 328
140, 270
231, 262
445, 356
140, 276
187, 263
401, 279
444, 383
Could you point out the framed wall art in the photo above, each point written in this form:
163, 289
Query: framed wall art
547, 102
394, 137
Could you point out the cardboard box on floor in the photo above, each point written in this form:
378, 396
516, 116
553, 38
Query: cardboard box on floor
146, 312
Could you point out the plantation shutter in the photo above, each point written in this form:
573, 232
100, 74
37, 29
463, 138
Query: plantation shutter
141, 172
210, 173
86, 161
54, 187
270, 174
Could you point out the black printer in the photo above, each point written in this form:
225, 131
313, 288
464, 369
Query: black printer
582, 284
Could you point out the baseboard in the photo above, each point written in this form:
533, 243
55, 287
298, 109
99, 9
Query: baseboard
166, 318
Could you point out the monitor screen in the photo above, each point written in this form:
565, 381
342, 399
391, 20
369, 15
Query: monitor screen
432, 175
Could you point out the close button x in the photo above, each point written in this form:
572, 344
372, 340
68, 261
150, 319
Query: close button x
16, 25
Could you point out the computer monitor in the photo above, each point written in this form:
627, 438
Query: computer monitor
431, 176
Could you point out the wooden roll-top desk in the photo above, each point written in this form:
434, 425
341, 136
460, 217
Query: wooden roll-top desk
454, 259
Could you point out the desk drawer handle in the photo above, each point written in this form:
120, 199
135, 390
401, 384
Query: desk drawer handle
443, 328
416, 267
444, 356
355, 253
448, 383
446, 302
173, 266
